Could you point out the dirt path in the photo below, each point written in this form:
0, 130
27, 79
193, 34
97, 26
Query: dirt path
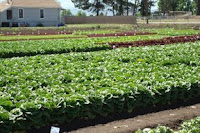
171, 118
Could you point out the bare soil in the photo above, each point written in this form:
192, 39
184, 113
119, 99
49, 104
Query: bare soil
164, 41
171, 118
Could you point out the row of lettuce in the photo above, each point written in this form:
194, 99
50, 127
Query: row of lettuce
46, 89
190, 126
172, 31
31, 48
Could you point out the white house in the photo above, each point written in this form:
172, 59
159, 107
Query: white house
29, 12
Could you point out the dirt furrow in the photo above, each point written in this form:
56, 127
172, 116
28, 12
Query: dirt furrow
170, 118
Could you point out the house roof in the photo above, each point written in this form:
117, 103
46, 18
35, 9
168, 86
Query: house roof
4, 5
30, 4
36, 3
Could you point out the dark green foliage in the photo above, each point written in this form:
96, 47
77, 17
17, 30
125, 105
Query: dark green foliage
198, 7
92, 5
31, 48
177, 5
48, 89
66, 12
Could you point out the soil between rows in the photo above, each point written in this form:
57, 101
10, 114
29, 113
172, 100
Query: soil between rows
168, 115
171, 118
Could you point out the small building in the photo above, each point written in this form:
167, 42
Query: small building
15, 13
179, 13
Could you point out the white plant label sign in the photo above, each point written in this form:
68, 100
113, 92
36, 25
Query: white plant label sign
55, 130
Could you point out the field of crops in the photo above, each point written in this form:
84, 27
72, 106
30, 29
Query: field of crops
28, 48
48, 82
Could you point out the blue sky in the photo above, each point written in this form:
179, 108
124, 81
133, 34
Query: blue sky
67, 4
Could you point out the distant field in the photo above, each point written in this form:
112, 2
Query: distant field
42, 34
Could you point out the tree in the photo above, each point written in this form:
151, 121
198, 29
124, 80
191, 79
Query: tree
198, 7
127, 7
122, 6
91, 5
119, 7
112, 5
81, 13
82, 4
66, 12
164, 6
151, 4
184, 5
130, 6
176, 5
145, 7
135, 6
97, 6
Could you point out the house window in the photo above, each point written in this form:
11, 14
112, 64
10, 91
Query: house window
9, 14
41, 13
21, 13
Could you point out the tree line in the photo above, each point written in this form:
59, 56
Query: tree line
179, 5
67, 12
133, 7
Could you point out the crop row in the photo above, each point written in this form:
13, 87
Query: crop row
44, 32
48, 34
120, 34
53, 32
172, 31
38, 37
190, 126
96, 31
42, 90
163, 41
31, 48
28, 48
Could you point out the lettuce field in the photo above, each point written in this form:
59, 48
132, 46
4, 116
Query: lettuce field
57, 81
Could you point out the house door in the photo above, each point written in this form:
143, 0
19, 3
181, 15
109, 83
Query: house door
9, 14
